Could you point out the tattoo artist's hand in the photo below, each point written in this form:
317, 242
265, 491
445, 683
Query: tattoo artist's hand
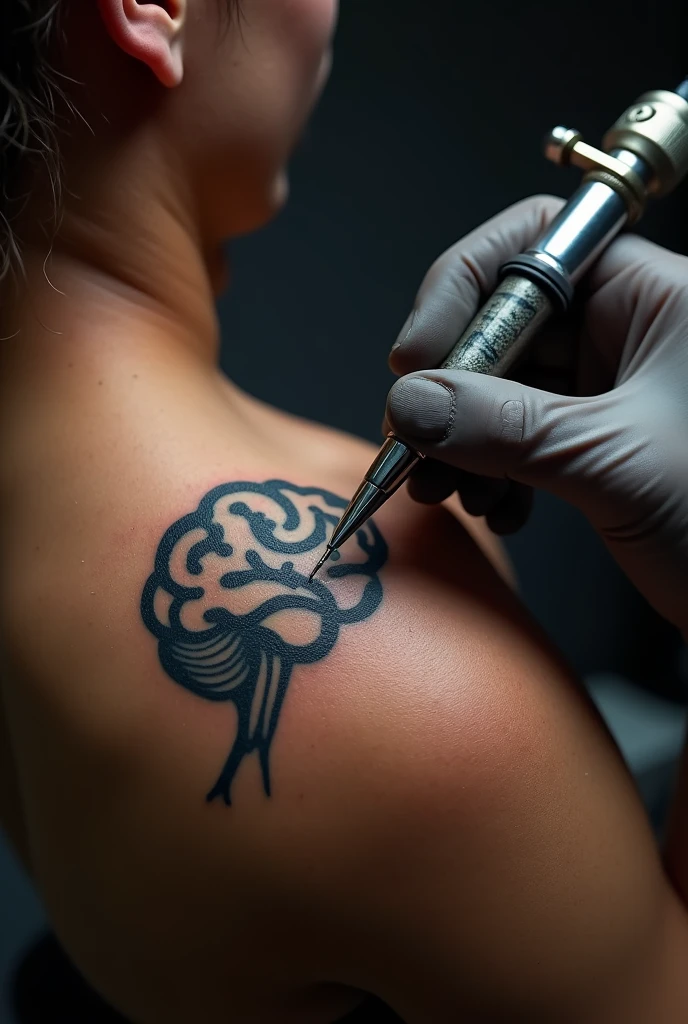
610, 435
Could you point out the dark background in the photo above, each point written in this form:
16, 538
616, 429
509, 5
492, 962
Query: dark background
432, 122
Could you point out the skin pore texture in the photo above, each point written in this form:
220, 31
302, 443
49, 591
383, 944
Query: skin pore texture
243, 797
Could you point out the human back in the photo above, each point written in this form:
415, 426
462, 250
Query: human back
116, 750
243, 796
427, 752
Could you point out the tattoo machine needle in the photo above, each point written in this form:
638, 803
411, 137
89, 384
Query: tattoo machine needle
320, 564
645, 153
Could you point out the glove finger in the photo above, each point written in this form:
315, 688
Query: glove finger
513, 511
500, 428
450, 295
480, 494
636, 295
432, 482
550, 363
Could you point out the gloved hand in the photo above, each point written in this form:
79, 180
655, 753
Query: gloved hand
618, 451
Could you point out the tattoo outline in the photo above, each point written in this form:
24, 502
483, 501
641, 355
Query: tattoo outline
234, 656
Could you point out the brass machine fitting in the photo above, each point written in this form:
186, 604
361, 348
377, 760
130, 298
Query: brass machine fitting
653, 130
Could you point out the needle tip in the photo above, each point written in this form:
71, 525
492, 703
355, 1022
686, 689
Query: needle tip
320, 564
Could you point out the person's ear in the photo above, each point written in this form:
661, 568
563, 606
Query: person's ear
150, 32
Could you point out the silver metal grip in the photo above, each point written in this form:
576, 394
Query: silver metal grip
393, 464
502, 328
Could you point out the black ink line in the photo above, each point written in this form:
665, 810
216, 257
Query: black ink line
236, 658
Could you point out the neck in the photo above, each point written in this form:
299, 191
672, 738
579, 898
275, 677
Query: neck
127, 248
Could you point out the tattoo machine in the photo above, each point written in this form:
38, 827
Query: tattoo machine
644, 154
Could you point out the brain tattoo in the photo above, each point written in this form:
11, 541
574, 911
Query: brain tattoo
232, 616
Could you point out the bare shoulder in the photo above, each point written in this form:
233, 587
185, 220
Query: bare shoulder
454, 759
242, 770
187, 713
352, 456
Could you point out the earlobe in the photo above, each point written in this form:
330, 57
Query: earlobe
149, 32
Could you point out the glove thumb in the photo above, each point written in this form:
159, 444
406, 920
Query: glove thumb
500, 428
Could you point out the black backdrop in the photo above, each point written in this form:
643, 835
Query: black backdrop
432, 122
